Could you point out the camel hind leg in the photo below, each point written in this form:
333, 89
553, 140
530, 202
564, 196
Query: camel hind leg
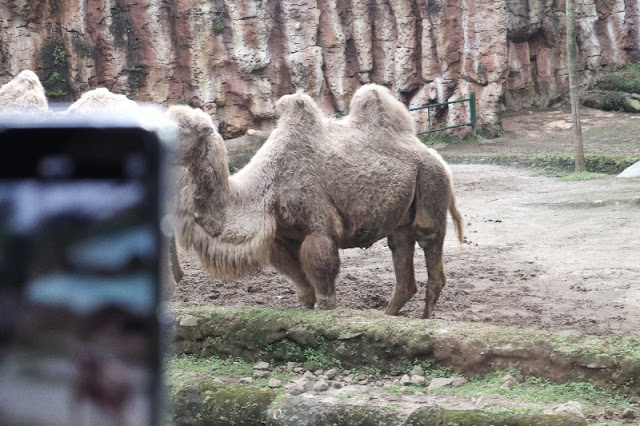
402, 245
431, 242
285, 257
434, 194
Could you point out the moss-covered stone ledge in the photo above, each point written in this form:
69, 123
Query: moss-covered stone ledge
208, 403
352, 339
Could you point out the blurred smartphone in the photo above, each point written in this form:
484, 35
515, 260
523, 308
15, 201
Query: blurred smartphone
80, 261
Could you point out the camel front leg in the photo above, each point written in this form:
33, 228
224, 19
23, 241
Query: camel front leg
177, 271
285, 257
402, 246
321, 263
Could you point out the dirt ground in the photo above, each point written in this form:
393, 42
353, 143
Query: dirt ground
539, 252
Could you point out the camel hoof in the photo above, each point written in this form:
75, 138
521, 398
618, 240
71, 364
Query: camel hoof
326, 304
391, 312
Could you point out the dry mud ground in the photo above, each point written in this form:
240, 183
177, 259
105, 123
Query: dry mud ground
542, 253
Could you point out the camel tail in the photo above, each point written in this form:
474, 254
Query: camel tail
457, 218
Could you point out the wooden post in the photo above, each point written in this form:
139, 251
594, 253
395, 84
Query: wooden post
572, 62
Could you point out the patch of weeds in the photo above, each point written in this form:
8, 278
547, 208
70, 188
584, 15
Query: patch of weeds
56, 86
59, 55
551, 164
371, 371
317, 359
218, 22
433, 138
218, 25
624, 80
84, 49
137, 77
433, 371
54, 60
537, 390
211, 366
580, 176
399, 389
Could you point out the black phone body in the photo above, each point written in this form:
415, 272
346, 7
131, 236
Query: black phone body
80, 280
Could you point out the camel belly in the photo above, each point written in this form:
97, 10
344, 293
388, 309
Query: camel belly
364, 233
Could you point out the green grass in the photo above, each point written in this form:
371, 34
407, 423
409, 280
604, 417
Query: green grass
623, 80
549, 164
536, 390
580, 176
182, 369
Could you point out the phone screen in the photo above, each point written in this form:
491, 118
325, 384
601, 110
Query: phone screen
79, 276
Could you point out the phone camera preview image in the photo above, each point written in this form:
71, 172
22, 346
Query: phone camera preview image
79, 276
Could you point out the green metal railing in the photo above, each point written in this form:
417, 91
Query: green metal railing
472, 114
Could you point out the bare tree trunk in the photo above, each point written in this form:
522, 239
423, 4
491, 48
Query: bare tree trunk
572, 62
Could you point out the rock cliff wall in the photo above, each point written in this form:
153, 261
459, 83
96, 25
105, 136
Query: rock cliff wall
235, 58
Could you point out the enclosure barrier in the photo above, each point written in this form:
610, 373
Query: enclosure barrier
472, 114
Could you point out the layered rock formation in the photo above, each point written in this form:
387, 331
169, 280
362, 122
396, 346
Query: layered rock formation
235, 58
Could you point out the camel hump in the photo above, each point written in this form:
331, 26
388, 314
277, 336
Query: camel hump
191, 121
298, 108
24, 91
374, 106
102, 98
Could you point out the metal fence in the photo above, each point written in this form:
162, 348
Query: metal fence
472, 115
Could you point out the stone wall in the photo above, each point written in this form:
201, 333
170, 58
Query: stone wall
235, 58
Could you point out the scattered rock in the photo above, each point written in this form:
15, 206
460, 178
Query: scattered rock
261, 366
331, 374
295, 388
599, 361
321, 386
274, 383
459, 381
508, 381
247, 380
609, 413
309, 374
628, 413
418, 380
258, 374
405, 380
570, 407
291, 366
348, 336
440, 382
189, 321
417, 371
318, 372
298, 369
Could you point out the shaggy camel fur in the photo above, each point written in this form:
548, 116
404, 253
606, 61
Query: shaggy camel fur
317, 185
23, 92
103, 100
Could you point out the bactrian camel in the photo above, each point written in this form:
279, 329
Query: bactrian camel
316, 185
25, 94
99, 101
